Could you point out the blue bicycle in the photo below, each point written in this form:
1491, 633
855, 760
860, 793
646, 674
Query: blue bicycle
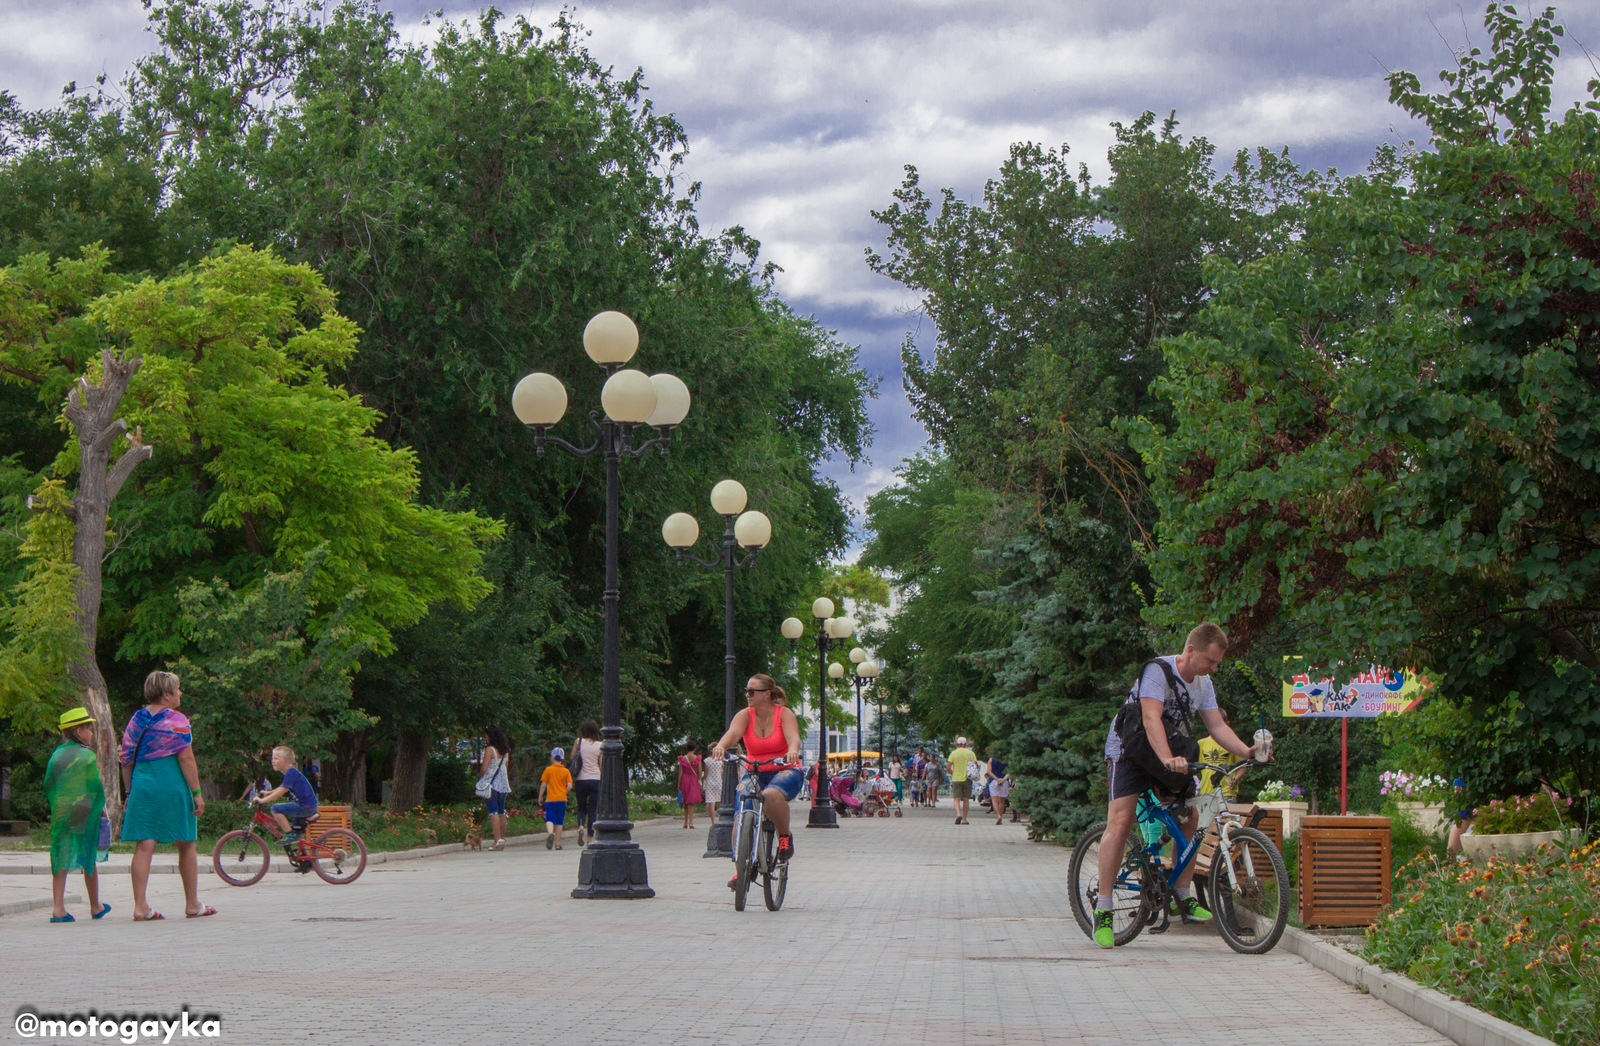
1246, 888
749, 859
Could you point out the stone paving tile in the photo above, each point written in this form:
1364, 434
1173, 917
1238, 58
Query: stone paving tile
895, 931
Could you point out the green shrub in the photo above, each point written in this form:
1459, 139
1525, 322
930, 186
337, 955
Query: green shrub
1539, 812
1519, 940
221, 817
448, 781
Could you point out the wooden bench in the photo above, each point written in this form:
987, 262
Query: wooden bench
1268, 822
329, 818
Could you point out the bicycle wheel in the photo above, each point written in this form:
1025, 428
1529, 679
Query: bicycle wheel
1083, 874
775, 880
743, 857
240, 858
347, 860
1259, 884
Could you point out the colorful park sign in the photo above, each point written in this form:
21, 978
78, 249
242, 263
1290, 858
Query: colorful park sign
1372, 693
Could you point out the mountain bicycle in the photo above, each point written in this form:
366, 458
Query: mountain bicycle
1247, 871
755, 845
338, 855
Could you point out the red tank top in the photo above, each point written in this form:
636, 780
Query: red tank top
773, 746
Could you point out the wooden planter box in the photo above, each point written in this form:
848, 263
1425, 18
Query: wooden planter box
1345, 870
329, 817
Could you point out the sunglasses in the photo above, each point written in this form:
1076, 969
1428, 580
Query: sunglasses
757, 690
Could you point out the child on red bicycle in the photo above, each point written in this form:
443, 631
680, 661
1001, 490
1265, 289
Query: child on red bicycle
294, 783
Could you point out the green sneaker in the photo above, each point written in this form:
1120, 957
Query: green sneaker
1103, 934
1191, 910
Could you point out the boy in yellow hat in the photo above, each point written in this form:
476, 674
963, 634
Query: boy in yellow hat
77, 799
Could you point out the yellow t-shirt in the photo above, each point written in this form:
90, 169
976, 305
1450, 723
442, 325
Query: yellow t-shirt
559, 779
1212, 752
961, 761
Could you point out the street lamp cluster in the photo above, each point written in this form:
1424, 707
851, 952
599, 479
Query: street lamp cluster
613, 865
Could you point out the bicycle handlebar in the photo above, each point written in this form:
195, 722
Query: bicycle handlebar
757, 764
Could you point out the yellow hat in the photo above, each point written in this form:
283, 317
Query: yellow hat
76, 717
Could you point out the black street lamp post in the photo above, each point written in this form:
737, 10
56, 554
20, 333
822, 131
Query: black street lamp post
831, 632
612, 866
865, 672
751, 530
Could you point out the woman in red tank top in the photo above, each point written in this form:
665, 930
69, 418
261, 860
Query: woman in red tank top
768, 730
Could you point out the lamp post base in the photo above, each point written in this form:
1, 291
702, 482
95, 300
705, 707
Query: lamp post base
719, 841
823, 816
612, 871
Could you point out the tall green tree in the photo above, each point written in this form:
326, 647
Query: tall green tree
1050, 299
1385, 437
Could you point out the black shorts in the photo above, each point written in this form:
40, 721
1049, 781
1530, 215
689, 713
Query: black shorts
1129, 778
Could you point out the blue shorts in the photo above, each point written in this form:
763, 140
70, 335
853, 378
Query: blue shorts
293, 810
789, 782
556, 813
496, 803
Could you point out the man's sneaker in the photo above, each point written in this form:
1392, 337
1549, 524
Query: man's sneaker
1104, 936
785, 847
1190, 909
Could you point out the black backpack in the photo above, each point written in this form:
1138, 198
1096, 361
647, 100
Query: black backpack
1129, 726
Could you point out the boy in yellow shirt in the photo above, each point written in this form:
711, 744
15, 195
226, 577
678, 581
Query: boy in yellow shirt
554, 783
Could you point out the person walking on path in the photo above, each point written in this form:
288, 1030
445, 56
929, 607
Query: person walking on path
897, 774
553, 785
585, 769
932, 777
494, 785
163, 788
77, 799
962, 761
711, 786
999, 788
691, 768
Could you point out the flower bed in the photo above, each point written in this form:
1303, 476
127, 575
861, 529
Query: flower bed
1519, 940
1404, 786
1539, 812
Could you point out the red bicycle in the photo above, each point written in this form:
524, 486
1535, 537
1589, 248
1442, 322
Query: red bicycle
337, 855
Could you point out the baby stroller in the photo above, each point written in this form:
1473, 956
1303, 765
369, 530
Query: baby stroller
839, 792
880, 799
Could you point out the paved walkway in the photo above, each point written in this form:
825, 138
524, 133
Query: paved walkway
900, 932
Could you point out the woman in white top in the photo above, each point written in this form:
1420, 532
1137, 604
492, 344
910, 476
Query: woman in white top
493, 785
585, 765
897, 774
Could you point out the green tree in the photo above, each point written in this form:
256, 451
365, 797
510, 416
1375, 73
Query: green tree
258, 678
1385, 437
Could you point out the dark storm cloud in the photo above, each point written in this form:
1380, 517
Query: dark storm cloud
800, 114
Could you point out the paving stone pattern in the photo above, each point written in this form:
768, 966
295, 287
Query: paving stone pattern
896, 931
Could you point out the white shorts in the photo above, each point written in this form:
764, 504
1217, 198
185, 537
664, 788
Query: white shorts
1000, 789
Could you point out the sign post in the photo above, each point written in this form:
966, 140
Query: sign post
1372, 693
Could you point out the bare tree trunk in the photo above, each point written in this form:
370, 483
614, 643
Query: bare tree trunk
92, 411
410, 771
345, 776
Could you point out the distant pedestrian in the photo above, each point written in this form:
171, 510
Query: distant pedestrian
962, 761
691, 768
897, 774
932, 778
77, 799
553, 785
585, 768
163, 787
999, 787
494, 785
711, 785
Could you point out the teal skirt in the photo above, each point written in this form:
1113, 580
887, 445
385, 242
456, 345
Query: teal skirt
159, 804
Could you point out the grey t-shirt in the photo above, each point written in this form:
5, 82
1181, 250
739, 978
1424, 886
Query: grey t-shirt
1199, 695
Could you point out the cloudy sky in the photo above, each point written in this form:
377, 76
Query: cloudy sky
801, 114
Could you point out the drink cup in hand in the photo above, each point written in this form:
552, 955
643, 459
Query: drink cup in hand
1263, 745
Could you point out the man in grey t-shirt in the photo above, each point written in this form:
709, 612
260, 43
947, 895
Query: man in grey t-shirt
1160, 702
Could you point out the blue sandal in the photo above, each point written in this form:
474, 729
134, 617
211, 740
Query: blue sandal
63, 918
104, 908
